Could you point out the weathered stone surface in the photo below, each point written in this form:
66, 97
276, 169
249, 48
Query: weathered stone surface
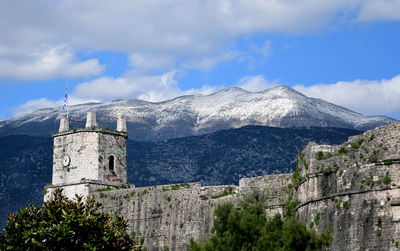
171, 215
355, 190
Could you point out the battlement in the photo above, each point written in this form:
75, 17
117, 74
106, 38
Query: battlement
91, 124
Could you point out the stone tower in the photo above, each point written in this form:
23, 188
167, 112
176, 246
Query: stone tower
88, 159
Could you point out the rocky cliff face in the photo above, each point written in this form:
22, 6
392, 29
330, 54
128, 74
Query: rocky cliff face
196, 115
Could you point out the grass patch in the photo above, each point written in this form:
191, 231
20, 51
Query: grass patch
227, 191
104, 189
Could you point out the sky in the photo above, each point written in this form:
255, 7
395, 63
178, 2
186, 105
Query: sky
344, 51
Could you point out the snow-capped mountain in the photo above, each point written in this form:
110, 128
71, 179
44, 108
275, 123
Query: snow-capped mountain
198, 114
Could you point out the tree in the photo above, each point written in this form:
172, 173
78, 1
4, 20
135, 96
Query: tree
63, 224
249, 228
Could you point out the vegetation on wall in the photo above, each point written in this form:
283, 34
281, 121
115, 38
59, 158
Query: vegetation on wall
62, 224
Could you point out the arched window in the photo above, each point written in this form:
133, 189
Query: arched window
111, 163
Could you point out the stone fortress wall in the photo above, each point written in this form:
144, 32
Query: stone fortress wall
353, 188
170, 215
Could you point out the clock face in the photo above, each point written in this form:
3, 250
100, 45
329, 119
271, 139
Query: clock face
66, 160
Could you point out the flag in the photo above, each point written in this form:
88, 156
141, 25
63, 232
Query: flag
65, 99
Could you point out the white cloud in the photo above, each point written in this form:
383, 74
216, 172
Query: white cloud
364, 96
33, 105
154, 88
256, 83
193, 33
380, 10
150, 88
206, 63
367, 97
148, 61
45, 63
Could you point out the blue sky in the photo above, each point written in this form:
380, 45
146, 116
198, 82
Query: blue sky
344, 51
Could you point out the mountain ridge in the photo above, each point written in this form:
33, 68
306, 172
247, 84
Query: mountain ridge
190, 115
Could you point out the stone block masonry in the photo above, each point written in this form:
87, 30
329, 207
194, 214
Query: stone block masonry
171, 215
354, 188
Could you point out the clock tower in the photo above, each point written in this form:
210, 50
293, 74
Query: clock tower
88, 159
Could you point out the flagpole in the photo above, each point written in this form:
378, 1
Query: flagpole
67, 100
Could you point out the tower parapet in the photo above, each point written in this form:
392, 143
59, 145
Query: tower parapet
64, 124
88, 158
121, 124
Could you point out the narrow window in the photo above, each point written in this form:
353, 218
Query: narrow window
111, 163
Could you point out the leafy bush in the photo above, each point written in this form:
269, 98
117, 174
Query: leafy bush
62, 224
388, 162
320, 155
342, 151
317, 218
387, 180
249, 228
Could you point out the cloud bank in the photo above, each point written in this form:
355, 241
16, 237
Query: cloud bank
157, 34
363, 96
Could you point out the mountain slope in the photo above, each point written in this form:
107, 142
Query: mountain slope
225, 156
201, 114
219, 158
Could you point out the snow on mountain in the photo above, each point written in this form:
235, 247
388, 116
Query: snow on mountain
197, 114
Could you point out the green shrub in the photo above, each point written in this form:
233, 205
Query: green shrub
369, 182
64, 224
203, 197
317, 217
372, 137
296, 178
320, 155
343, 151
104, 189
249, 228
387, 180
346, 205
175, 187
388, 162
